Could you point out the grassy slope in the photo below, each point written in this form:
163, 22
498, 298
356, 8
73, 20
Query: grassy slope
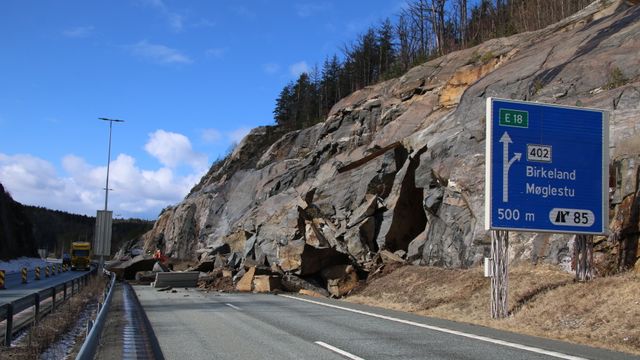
543, 301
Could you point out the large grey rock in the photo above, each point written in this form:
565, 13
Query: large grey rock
400, 165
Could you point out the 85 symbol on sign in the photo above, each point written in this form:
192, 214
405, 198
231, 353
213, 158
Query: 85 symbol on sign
572, 217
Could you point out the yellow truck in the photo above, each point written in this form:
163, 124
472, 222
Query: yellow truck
80, 255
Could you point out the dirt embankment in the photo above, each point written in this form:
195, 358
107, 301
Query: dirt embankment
543, 301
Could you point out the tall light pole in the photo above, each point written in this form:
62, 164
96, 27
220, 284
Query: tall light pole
102, 244
106, 188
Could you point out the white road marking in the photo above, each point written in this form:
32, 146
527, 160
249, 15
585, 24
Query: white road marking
447, 331
232, 306
339, 351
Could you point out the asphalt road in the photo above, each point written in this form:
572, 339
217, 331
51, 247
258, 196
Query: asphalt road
16, 290
190, 324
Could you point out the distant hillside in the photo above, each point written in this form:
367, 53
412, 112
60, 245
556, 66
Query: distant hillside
16, 237
56, 230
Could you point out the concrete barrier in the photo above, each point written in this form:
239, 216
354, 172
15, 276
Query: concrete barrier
177, 279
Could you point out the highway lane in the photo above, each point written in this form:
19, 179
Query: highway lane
190, 323
15, 289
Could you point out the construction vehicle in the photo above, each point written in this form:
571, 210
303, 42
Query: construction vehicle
80, 255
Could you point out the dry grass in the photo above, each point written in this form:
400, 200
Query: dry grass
49, 329
543, 301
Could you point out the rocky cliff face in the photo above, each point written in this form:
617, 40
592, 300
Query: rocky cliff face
399, 166
16, 233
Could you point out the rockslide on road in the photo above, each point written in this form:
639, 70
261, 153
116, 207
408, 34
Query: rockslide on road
192, 324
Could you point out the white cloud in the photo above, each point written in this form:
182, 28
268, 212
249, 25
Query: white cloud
299, 68
174, 19
216, 53
243, 11
173, 149
271, 68
204, 23
211, 136
136, 192
23, 171
307, 9
237, 135
214, 136
78, 32
159, 53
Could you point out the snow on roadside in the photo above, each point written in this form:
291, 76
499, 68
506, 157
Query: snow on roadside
14, 266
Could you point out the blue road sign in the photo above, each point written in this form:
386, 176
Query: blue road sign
547, 168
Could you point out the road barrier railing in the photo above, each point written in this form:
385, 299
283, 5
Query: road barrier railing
42, 302
94, 328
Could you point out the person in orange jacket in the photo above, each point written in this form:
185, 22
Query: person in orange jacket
158, 255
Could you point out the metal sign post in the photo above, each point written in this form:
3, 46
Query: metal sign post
499, 274
547, 169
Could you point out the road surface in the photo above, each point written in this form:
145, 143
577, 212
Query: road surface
16, 290
190, 324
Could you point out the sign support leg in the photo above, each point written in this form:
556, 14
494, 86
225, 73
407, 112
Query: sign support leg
583, 257
500, 274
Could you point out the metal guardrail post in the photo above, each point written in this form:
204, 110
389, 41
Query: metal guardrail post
53, 298
89, 327
9, 330
37, 305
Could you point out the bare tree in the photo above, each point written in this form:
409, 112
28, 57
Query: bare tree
462, 21
417, 13
437, 21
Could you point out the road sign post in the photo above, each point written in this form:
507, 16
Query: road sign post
547, 169
499, 274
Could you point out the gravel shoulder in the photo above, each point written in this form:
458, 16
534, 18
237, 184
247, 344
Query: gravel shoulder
111, 340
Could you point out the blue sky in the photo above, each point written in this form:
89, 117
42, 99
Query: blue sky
189, 78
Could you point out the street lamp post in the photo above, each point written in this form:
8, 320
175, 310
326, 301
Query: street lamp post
106, 188
106, 233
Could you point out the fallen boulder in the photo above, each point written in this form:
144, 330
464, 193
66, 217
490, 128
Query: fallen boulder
295, 284
127, 270
341, 279
246, 283
266, 283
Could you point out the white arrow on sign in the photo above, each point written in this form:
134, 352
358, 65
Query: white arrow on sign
506, 164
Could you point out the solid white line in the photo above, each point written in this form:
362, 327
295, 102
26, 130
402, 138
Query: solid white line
447, 331
339, 351
232, 306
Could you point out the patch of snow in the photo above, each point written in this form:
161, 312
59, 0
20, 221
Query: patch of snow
14, 266
63, 348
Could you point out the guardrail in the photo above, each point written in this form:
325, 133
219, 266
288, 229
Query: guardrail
94, 328
43, 301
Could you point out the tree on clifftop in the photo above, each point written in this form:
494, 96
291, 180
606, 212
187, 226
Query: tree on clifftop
424, 29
